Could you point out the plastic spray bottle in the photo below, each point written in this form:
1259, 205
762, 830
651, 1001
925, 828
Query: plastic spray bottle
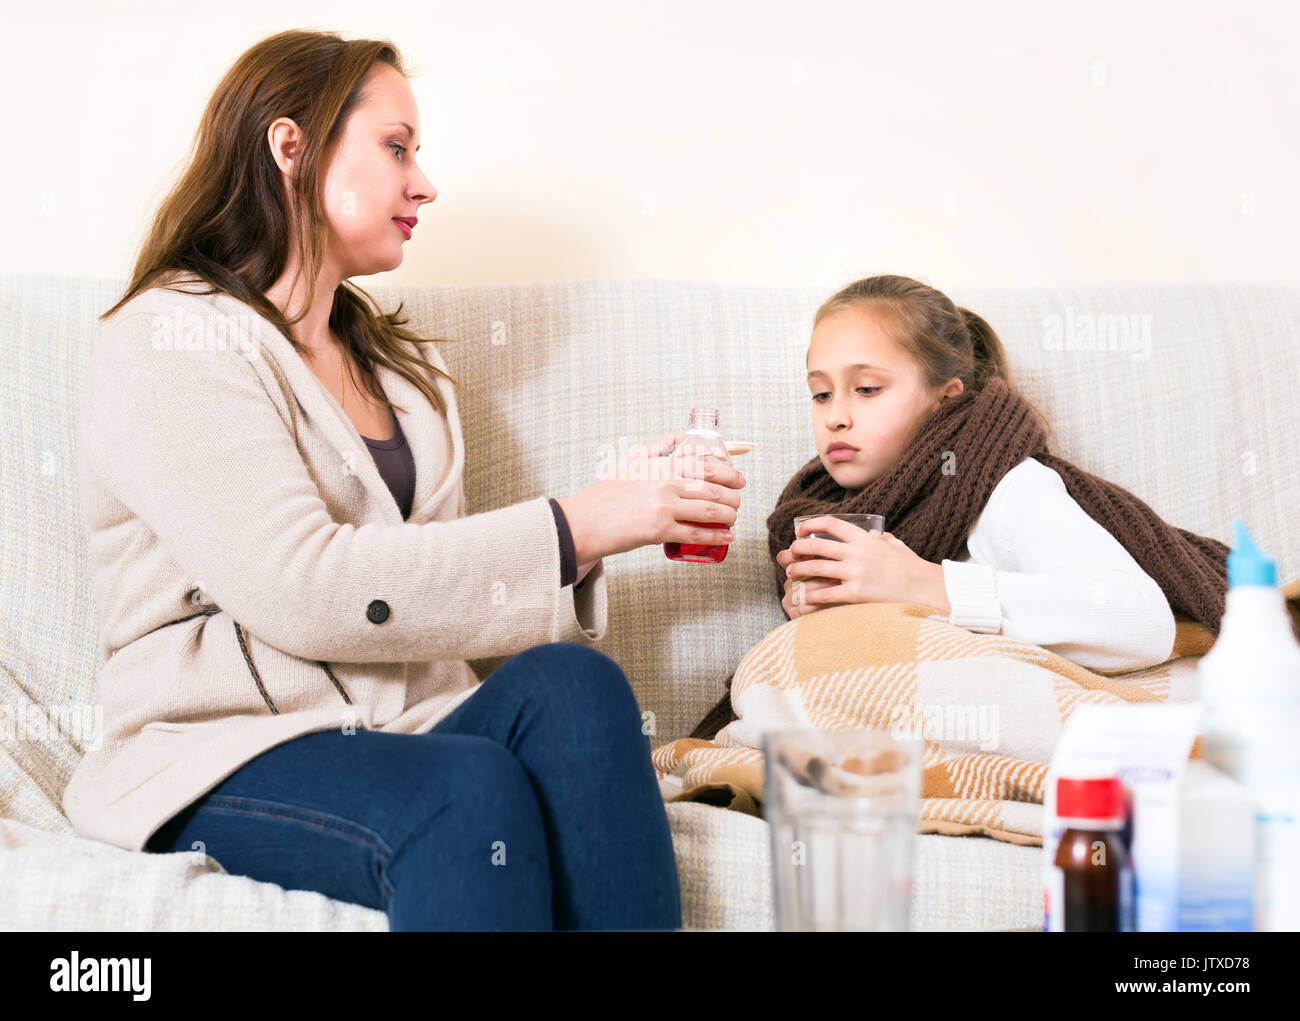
1250, 686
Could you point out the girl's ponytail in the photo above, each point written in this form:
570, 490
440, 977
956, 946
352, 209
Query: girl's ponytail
990, 356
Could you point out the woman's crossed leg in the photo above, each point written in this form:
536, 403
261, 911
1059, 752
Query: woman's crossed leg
533, 805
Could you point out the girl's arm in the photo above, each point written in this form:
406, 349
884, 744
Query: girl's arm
1043, 571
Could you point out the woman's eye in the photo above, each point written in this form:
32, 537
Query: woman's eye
874, 390
394, 145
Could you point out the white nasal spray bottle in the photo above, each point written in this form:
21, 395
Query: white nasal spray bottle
1250, 686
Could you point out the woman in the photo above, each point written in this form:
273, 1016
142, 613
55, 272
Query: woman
286, 615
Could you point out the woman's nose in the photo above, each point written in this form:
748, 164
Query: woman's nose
424, 191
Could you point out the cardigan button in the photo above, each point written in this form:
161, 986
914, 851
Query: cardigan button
377, 611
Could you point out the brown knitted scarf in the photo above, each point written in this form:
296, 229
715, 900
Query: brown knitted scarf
933, 496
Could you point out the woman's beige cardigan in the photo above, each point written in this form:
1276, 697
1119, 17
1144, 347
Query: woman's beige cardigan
217, 472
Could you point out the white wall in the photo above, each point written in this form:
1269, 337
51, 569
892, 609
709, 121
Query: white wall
998, 143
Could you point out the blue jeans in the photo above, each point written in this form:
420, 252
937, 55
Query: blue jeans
532, 805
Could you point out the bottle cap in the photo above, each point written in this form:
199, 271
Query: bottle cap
1247, 564
1100, 797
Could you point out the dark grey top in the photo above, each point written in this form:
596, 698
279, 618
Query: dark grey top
397, 467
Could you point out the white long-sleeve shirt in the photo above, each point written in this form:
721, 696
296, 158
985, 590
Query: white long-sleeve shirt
1038, 569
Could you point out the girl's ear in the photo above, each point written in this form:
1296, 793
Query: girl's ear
953, 388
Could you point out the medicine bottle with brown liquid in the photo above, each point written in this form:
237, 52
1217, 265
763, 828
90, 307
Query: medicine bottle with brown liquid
1092, 872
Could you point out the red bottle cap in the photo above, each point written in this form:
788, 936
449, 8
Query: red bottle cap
1090, 798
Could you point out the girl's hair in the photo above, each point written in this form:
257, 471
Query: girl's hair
943, 339
225, 221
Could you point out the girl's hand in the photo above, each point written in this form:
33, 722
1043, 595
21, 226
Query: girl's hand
793, 602
867, 567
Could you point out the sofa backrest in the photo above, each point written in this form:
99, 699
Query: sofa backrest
1183, 394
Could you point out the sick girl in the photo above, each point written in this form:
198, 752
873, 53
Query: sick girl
915, 417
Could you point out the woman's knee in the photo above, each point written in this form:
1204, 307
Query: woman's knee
579, 671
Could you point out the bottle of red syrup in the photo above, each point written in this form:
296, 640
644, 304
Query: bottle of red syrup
704, 442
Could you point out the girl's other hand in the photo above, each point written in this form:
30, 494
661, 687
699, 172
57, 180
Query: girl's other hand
794, 602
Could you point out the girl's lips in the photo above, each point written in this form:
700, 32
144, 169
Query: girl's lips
842, 454
402, 226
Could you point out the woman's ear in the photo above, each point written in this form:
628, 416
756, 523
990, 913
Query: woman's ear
952, 388
284, 138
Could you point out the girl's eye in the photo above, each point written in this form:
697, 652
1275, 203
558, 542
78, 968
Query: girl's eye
394, 145
874, 390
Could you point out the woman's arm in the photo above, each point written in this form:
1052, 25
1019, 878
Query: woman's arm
198, 478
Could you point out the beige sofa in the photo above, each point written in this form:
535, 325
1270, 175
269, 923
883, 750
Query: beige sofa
1185, 394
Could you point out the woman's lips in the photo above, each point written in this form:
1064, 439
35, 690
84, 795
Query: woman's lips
842, 454
402, 226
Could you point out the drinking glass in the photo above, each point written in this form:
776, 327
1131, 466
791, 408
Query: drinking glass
865, 521
842, 806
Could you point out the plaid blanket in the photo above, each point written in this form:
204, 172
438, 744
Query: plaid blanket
988, 709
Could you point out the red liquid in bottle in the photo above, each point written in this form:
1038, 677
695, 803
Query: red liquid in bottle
697, 553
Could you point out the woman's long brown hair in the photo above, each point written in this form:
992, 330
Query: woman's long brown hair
225, 221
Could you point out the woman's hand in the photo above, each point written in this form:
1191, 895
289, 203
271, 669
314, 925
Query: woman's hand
865, 567
637, 463
647, 496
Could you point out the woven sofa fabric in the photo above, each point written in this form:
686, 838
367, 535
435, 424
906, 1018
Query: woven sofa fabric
67, 883
1180, 392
